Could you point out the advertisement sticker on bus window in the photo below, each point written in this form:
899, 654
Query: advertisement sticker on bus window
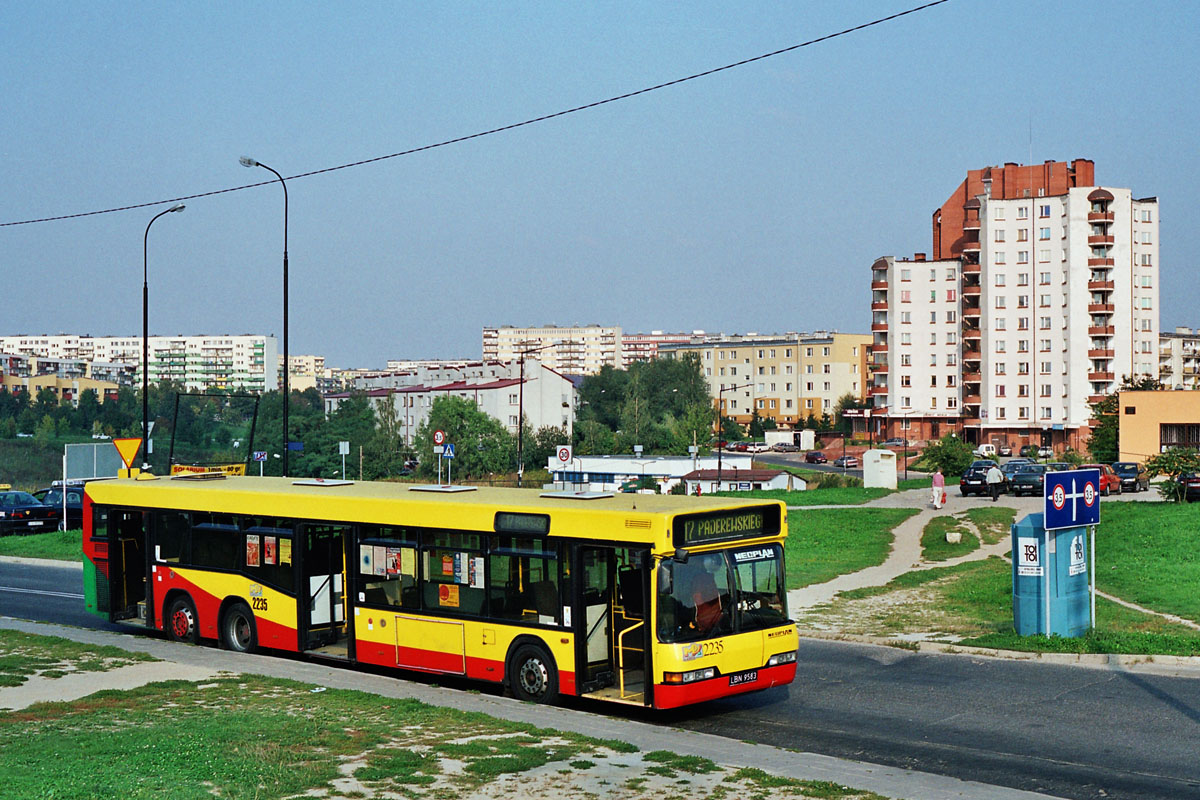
380, 557
366, 559
393, 561
477, 572
252, 552
269, 551
408, 561
285, 551
448, 595
448, 564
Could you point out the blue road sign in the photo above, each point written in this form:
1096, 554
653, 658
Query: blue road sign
260, 455
1072, 499
449, 451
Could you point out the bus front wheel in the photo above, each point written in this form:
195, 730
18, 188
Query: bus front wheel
238, 631
533, 675
181, 620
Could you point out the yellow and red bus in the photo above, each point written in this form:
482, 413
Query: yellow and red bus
656, 601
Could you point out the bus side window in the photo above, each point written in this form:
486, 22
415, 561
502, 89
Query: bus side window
171, 529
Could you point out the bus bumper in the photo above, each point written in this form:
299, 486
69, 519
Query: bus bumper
676, 695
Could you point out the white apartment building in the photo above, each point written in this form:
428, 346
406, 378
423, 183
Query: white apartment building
576, 350
501, 390
246, 362
1054, 283
1179, 358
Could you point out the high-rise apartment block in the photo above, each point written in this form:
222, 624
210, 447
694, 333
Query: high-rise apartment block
247, 362
1040, 297
581, 349
787, 377
1179, 358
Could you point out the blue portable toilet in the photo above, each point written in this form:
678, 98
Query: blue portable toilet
1061, 554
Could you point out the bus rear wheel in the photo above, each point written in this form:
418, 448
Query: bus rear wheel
238, 631
181, 621
533, 676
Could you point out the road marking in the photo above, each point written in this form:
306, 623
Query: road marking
71, 595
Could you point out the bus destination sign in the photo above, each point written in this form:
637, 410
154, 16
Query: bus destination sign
726, 525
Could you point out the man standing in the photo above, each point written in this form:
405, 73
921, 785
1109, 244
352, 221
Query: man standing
939, 488
994, 480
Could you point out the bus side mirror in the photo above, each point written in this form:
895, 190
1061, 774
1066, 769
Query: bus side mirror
681, 555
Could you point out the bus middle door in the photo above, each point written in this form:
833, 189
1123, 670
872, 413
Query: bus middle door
322, 594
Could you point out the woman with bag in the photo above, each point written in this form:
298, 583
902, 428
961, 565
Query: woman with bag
939, 489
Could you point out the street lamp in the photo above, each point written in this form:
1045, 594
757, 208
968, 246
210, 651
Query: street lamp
146, 335
287, 367
521, 408
720, 432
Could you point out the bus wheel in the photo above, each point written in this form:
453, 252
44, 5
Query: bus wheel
181, 621
238, 631
533, 674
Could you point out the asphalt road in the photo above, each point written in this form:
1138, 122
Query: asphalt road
1067, 731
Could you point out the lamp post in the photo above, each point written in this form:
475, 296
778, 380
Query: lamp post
146, 334
521, 408
720, 432
287, 367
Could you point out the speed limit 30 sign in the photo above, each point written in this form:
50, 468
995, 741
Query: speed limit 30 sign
564, 454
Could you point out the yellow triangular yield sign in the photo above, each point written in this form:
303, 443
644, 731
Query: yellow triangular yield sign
128, 448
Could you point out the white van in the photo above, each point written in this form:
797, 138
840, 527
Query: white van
985, 451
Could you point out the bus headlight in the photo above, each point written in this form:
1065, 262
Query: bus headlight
782, 658
690, 677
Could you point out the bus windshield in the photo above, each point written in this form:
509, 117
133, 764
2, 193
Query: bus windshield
719, 593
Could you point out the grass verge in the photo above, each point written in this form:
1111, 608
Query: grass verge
56, 545
825, 543
934, 546
971, 603
1149, 554
23, 655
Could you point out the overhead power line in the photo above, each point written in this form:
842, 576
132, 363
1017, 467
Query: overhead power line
501, 129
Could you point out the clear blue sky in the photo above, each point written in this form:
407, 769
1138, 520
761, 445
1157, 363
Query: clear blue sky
751, 200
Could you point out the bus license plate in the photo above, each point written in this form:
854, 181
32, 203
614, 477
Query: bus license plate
743, 677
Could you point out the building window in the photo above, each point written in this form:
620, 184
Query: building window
951, 338
1022, 256
1000, 390
998, 257
1045, 367
1000, 323
1001, 346
1001, 301
1044, 235
1044, 278
951, 359
999, 237
905, 275
1023, 390
950, 317
1022, 212
999, 281
1043, 211
1145, 215
1023, 412
906, 360
1043, 256
1146, 260
951, 274
1023, 301
1045, 390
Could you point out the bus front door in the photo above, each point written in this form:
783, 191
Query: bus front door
322, 594
612, 640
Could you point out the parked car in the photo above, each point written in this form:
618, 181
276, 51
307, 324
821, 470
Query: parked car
985, 451
757, 447
974, 480
846, 462
1045, 452
738, 447
1012, 466
1191, 486
1133, 475
21, 512
893, 442
1029, 451
1030, 479
815, 457
1109, 480
53, 497
785, 447
1059, 466
1004, 450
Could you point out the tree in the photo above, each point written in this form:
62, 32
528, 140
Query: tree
950, 454
1174, 464
845, 403
755, 430
482, 444
543, 445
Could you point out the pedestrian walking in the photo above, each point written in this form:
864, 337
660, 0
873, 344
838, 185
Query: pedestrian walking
939, 489
994, 480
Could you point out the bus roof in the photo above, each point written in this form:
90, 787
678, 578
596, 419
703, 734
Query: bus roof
622, 517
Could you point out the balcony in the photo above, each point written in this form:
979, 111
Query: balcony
1101, 216
1102, 330
1107, 377
1096, 398
1099, 239
879, 305
1101, 286
1101, 353
1101, 308
878, 390
879, 286
971, 421
1101, 262
971, 399
971, 333
879, 348
971, 223
971, 268
970, 247
879, 369
969, 378
879, 327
